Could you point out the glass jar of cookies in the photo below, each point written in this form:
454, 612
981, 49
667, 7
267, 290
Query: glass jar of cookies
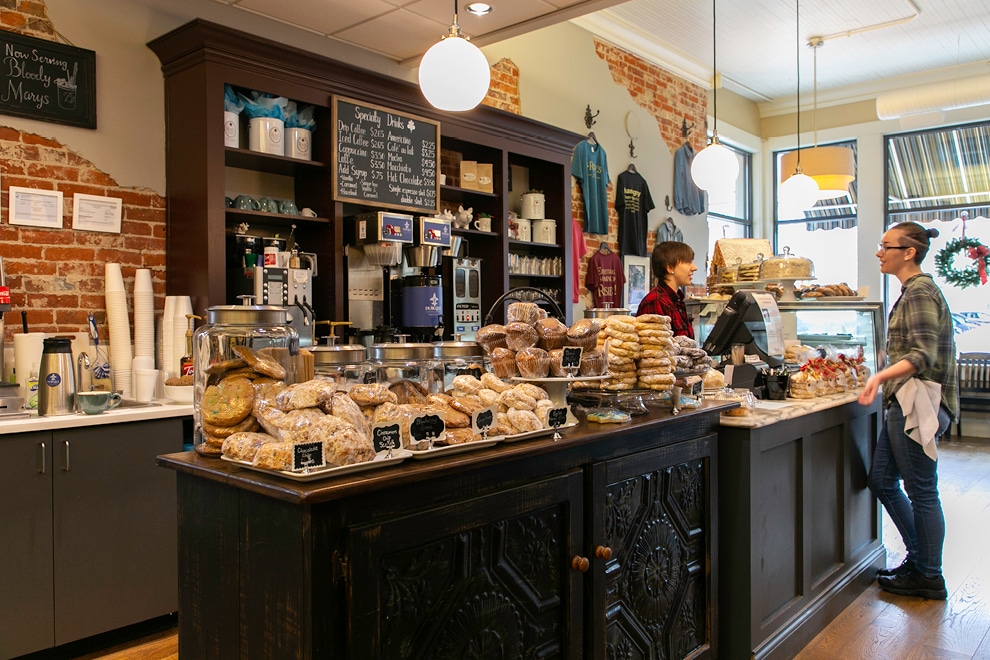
459, 358
344, 364
409, 368
244, 355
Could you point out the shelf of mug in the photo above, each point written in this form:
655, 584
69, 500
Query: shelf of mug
457, 189
244, 215
472, 232
270, 163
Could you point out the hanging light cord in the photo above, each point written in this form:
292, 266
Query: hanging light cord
815, 42
797, 42
714, 75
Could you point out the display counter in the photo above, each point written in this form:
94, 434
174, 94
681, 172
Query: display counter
799, 530
588, 546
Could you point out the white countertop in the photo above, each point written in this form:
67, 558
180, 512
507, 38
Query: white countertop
77, 420
771, 412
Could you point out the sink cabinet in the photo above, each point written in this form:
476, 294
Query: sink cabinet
89, 532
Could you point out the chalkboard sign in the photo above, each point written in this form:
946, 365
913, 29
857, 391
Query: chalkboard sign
383, 158
557, 417
571, 357
45, 80
482, 420
426, 427
385, 437
308, 456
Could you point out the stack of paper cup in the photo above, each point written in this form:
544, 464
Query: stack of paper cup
168, 351
120, 330
183, 306
144, 315
27, 355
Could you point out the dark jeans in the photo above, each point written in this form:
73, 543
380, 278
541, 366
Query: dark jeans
918, 514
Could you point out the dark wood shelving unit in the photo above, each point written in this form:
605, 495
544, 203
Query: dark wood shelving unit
200, 57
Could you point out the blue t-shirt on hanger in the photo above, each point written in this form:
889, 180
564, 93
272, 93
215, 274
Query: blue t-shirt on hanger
590, 166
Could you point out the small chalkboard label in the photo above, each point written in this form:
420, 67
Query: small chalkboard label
557, 417
426, 427
571, 357
46, 80
384, 158
308, 456
386, 437
483, 420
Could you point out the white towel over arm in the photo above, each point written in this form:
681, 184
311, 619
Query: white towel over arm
920, 400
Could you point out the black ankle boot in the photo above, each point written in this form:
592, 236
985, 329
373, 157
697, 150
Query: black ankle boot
915, 584
906, 567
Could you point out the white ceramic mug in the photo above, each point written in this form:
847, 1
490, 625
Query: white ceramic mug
483, 224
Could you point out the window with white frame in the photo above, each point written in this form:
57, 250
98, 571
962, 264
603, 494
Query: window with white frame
730, 215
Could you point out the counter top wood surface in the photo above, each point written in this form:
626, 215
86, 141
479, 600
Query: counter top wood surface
79, 420
574, 446
771, 412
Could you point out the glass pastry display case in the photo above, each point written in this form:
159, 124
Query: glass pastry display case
842, 326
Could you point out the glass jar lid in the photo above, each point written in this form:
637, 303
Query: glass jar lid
398, 352
247, 315
339, 355
457, 349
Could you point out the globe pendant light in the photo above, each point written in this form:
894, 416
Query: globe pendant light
454, 74
833, 168
798, 192
715, 168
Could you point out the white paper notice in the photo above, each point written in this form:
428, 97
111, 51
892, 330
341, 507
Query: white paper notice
35, 208
93, 213
771, 319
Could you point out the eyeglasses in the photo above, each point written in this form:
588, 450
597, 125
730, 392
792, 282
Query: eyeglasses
882, 249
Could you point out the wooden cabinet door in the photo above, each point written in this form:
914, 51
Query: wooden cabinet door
27, 607
115, 526
655, 595
482, 578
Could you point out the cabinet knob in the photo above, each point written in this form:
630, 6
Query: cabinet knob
603, 552
580, 563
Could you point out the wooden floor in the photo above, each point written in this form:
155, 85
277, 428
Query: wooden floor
877, 625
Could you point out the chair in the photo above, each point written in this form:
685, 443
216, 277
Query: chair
974, 384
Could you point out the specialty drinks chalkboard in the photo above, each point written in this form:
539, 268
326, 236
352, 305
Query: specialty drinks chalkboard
384, 158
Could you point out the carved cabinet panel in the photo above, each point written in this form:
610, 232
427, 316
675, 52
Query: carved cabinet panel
656, 519
484, 578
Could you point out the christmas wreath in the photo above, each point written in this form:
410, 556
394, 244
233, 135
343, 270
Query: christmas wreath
969, 276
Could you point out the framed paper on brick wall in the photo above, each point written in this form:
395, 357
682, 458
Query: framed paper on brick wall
95, 213
637, 280
30, 207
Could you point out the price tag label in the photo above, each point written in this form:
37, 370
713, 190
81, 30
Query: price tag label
571, 358
557, 417
308, 456
426, 427
483, 420
386, 437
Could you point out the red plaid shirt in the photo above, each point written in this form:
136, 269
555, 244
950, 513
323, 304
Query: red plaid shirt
664, 300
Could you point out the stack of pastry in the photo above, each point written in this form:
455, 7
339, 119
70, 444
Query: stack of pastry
619, 340
656, 365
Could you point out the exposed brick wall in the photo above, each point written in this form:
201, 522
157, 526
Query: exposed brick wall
671, 101
504, 90
56, 275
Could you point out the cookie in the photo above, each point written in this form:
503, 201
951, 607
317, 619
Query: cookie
246, 425
263, 363
220, 368
228, 402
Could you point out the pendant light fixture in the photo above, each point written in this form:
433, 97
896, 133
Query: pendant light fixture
454, 74
833, 168
797, 191
715, 167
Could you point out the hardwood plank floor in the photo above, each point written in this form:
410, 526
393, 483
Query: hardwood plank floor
876, 625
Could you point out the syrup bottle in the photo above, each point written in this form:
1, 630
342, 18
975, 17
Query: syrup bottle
186, 362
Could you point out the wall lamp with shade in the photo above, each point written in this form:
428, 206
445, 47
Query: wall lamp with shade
715, 168
454, 74
833, 168
797, 190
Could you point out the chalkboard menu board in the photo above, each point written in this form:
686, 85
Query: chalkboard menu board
49, 81
384, 159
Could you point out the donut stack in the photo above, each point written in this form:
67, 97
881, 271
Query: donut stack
655, 366
623, 351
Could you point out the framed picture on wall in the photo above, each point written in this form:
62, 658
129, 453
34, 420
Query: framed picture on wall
637, 271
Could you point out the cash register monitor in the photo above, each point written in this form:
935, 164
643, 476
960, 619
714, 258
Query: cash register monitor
741, 322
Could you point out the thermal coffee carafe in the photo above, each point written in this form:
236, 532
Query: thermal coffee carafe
56, 378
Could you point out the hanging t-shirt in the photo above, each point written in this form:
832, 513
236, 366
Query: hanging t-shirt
632, 202
689, 199
590, 166
605, 279
578, 249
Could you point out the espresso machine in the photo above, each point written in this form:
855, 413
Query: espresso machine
394, 278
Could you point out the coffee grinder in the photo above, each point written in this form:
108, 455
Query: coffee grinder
462, 301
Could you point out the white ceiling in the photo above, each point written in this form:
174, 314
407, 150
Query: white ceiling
866, 41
